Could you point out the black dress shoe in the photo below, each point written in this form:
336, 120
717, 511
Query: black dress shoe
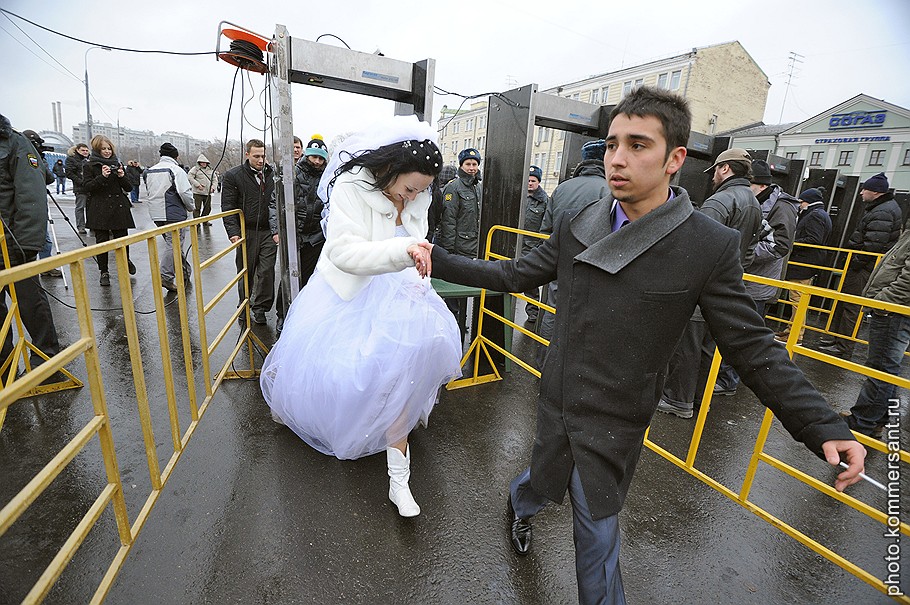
832, 349
519, 532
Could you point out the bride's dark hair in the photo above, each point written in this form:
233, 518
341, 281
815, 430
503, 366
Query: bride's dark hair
389, 161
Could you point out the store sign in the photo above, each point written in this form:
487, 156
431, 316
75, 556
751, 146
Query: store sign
857, 119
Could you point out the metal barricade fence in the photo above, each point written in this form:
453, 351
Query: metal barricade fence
895, 457
194, 347
841, 273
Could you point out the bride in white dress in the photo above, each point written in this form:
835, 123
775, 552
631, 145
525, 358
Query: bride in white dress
367, 343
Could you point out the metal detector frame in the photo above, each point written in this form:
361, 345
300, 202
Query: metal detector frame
299, 61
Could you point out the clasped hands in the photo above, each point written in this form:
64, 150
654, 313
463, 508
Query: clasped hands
421, 253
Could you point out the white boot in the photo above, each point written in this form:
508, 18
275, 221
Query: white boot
399, 473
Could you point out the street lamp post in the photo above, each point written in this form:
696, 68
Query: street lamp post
88, 106
118, 125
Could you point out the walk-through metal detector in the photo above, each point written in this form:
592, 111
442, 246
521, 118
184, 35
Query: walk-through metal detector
511, 118
299, 61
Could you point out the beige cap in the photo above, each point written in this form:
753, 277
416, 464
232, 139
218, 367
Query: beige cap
732, 155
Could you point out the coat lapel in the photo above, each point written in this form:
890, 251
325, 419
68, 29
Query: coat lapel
611, 252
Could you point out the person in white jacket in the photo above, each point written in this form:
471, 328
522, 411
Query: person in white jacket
169, 194
367, 343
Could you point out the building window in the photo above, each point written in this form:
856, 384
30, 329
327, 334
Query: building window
626, 88
444, 148
467, 143
675, 77
604, 92
639, 82
482, 122
877, 157
558, 162
663, 81
454, 146
576, 96
480, 143
845, 158
445, 130
469, 124
791, 155
816, 159
907, 157
455, 127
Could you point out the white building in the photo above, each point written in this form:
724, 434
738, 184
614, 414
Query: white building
860, 137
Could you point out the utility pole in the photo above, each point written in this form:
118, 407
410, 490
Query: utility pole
794, 59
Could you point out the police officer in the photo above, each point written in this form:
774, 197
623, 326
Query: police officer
23, 207
534, 211
460, 226
458, 232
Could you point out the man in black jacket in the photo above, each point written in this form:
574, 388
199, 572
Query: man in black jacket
23, 207
76, 163
812, 227
250, 187
878, 230
631, 269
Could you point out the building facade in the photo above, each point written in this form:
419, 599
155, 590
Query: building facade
859, 137
726, 89
143, 141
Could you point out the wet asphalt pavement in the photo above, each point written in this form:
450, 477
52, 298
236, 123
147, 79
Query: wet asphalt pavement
253, 515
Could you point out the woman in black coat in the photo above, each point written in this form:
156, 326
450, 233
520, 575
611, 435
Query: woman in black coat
107, 211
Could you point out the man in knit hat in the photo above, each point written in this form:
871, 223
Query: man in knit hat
812, 227
167, 189
308, 212
877, 231
878, 406
588, 183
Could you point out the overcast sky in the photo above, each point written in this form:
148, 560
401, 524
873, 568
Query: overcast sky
847, 47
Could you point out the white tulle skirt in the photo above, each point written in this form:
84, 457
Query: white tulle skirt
353, 377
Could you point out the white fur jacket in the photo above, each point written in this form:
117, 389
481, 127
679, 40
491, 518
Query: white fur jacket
360, 237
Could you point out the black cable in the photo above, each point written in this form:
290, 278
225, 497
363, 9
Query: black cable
333, 36
129, 50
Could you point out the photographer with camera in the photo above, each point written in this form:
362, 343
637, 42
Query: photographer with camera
107, 211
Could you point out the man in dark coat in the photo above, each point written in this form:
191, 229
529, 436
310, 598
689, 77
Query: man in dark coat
878, 230
23, 207
631, 269
813, 227
251, 187
587, 183
76, 165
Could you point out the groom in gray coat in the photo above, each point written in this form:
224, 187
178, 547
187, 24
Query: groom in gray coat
631, 267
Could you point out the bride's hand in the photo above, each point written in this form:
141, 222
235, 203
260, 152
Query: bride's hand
421, 257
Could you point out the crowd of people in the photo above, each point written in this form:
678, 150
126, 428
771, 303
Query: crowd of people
364, 348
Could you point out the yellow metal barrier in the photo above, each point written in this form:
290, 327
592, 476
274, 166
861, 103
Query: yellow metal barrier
86, 346
482, 344
840, 271
741, 494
